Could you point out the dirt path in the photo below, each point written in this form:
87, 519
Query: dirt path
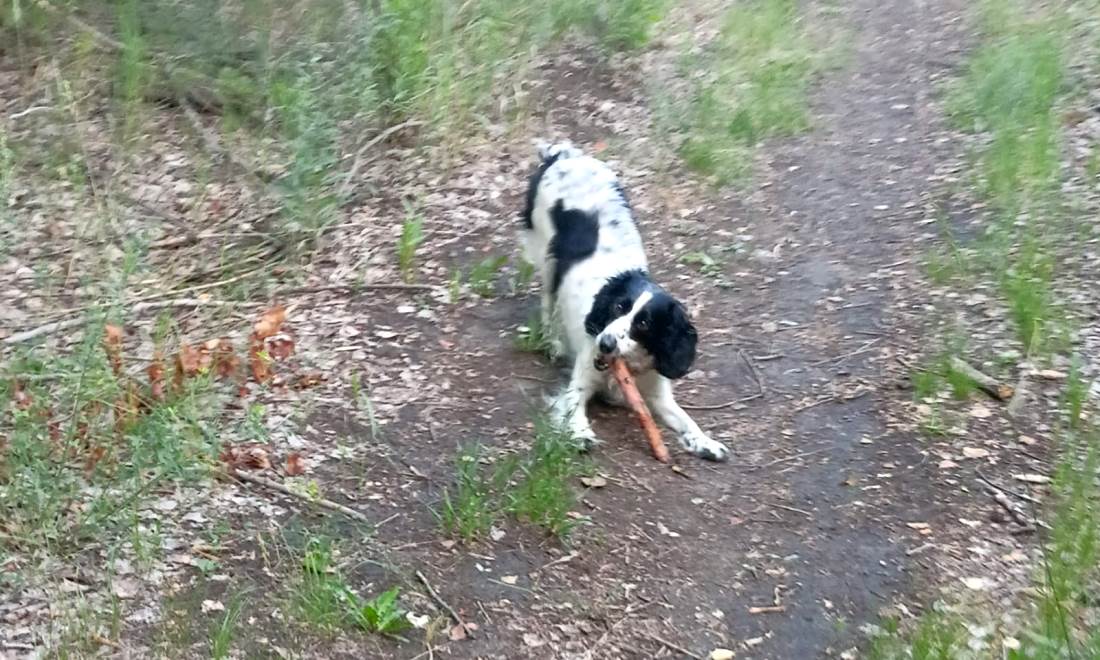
813, 509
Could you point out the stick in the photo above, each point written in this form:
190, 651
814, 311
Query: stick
560, 560
622, 375
49, 328
1019, 398
276, 486
986, 383
58, 326
785, 459
859, 351
672, 646
767, 609
442, 603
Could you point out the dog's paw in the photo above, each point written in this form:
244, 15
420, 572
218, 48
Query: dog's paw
556, 349
706, 448
585, 438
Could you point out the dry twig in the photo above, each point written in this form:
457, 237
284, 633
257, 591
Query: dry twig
985, 383
442, 603
276, 486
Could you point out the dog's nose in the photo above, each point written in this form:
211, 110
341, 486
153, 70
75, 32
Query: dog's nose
607, 344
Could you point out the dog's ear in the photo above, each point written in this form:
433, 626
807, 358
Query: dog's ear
602, 311
677, 351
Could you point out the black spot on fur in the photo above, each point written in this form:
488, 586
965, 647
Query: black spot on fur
615, 299
533, 189
662, 326
575, 236
622, 193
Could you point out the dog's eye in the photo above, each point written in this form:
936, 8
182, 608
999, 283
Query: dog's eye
623, 307
643, 324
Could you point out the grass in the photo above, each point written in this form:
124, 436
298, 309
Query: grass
483, 275
533, 337
322, 598
536, 488
1010, 94
83, 452
752, 85
412, 235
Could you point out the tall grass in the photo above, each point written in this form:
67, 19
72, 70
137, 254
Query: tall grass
751, 83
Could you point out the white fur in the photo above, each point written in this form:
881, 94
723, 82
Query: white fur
587, 184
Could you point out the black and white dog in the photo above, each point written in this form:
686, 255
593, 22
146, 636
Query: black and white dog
597, 299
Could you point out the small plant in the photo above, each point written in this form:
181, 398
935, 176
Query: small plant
412, 235
522, 278
533, 337
469, 507
221, 640
707, 264
482, 276
381, 614
543, 493
454, 286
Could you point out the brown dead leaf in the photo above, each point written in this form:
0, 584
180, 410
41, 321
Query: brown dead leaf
280, 348
458, 632
155, 370
306, 381
112, 344
270, 323
225, 360
20, 397
189, 362
95, 455
251, 456
295, 465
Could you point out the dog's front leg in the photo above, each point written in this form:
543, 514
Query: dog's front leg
569, 409
657, 391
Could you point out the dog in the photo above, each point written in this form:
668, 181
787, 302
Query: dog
598, 301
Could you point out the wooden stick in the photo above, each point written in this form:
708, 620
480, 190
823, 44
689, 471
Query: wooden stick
767, 609
276, 486
675, 647
622, 375
444, 604
986, 383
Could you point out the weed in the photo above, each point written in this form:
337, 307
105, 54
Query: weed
469, 508
926, 384
483, 275
522, 278
760, 66
323, 599
381, 614
412, 235
221, 641
542, 493
454, 286
533, 337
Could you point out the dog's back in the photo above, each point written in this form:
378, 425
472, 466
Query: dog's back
576, 208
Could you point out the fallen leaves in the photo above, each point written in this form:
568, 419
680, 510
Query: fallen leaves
295, 465
251, 456
1032, 478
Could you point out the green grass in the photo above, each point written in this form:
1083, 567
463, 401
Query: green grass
225, 630
321, 598
533, 337
536, 488
753, 85
82, 454
469, 507
412, 235
483, 275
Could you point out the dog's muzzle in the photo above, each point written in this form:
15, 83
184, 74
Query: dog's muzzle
607, 347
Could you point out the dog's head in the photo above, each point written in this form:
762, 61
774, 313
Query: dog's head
636, 320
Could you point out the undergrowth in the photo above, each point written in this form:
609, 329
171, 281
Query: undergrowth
751, 83
536, 487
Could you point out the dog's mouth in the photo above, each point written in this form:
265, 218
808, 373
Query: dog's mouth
601, 363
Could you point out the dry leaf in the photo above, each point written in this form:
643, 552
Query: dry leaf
156, 377
457, 633
721, 654
270, 323
295, 465
594, 482
112, 344
280, 348
509, 579
250, 456
975, 452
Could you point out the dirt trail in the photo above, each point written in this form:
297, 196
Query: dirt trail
811, 514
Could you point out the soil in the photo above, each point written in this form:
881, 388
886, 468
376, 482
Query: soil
832, 509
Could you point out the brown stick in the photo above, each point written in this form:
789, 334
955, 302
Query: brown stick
444, 604
276, 486
622, 375
986, 383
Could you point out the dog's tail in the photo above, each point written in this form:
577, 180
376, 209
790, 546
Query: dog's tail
549, 152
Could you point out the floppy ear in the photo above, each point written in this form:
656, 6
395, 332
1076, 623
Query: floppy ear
677, 352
